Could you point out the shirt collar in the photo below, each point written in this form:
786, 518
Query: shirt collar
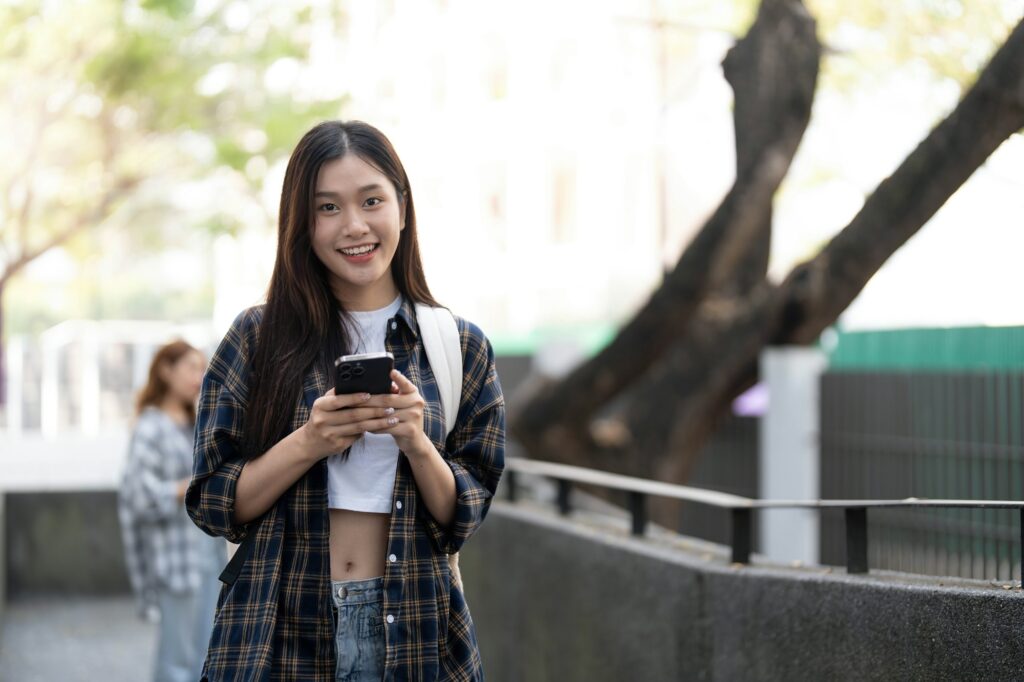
407, 313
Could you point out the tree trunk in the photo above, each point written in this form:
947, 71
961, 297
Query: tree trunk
721, 361
773, 71
714, 345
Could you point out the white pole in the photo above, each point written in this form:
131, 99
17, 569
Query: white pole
49, 399
15, 384
90, 380
789, 451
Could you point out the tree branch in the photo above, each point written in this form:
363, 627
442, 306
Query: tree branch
990, 112
97, 215
44, 117
718, 359
780, 54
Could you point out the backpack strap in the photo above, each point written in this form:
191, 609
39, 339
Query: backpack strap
440, 335
230, 573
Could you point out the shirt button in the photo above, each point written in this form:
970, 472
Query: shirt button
398, 504
394, 325
390, 619
392, 558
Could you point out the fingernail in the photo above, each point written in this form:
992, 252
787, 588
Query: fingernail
389, 410
364, 396
392, 420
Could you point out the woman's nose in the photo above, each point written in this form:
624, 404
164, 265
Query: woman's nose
353, 225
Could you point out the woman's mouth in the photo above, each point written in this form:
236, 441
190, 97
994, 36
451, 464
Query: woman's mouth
359, 254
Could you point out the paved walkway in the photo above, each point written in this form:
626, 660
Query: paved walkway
78, 639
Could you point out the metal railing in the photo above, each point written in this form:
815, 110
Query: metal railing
741, 509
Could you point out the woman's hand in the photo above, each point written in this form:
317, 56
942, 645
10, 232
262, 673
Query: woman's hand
338, 421
335, 423
406, 423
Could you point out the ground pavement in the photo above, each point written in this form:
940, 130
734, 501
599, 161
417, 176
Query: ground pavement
76, 639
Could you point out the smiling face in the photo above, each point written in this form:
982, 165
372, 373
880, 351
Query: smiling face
358, 219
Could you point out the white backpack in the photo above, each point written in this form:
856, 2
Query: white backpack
440, 336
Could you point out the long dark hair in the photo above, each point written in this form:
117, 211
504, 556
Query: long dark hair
302, 319
156, 388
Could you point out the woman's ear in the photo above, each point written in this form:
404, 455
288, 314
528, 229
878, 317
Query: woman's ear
401, 212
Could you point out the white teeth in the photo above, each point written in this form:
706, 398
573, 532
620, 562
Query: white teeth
359, 250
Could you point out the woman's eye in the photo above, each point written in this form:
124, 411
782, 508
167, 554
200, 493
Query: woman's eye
328, 207
373, 201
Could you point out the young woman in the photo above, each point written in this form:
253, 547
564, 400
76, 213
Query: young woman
173, 567
349, 504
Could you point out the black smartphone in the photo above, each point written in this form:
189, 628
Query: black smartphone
363, 373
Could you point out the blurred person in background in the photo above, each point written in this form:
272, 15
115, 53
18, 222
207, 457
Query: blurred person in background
173, 565
348, 506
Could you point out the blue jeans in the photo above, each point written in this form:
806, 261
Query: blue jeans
186, 621
359, 629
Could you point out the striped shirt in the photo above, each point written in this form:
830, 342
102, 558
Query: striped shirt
163, 549
276, 621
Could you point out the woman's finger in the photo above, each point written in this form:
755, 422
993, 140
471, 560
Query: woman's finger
329, 401
354, 415
376, 425
404, 385
399, 402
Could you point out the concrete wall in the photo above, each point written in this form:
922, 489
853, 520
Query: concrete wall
565, 600
3, 558
555, 600
63, 543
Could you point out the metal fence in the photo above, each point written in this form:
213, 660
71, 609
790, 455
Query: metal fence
931, 435
926, 413
81, 375
728, 464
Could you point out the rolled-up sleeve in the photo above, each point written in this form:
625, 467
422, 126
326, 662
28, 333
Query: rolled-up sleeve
218, 458
210, 499
475, 449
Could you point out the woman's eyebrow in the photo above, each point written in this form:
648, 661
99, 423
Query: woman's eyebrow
365, 188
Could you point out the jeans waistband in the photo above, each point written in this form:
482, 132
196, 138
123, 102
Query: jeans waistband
346, 592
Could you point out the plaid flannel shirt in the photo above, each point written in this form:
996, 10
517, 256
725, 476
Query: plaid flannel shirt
276, 621
163, 549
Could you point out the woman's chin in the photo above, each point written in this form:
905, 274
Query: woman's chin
358, 280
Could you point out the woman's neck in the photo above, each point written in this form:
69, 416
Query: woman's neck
174, 409
368, 299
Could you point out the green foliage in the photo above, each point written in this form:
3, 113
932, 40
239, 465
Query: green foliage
176, 9
110, 106
945, 40
159, 62
942, 39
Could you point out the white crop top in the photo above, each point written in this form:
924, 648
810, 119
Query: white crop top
366, 480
